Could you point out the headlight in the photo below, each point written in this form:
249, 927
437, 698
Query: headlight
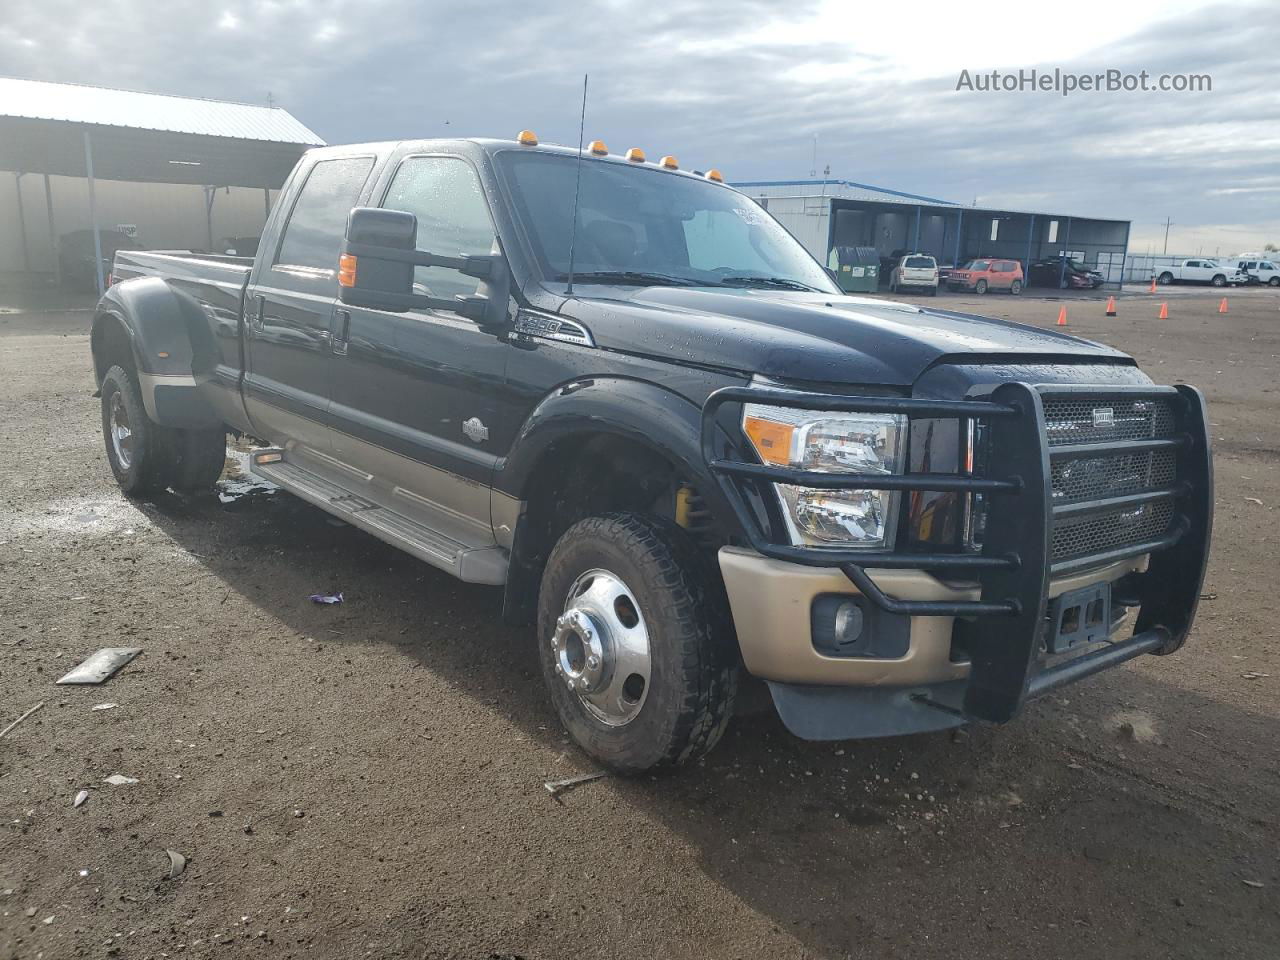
831, 443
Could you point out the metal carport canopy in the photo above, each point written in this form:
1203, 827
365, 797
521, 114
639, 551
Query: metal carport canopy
70, 130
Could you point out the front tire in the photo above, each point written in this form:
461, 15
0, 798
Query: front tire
635, 643
980, 287
1219, 280
1274, 282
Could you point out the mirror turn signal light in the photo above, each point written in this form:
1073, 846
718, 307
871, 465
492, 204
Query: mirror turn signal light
714, 174
268, 456
635, 155
598, 148
669, 162
346, 270
527, 138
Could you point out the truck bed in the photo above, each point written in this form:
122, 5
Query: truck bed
183, 266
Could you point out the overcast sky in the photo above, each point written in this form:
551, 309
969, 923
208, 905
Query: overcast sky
746, 85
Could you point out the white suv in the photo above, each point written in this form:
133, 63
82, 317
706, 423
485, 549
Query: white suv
1258, 271
917, 271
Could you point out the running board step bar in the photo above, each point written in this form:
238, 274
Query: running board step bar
472, 563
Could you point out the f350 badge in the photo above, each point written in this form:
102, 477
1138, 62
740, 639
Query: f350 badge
475, 430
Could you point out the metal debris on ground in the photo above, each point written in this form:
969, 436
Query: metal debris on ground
326, 597
81, 797
177, 863
21, 718
557, 787
119, 780
1253, 883
1254, 500
102, 666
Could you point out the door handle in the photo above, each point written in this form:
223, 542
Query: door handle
343, 335
256, 320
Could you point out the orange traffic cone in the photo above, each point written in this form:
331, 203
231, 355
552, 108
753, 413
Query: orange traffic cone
1222, 307
1164, 311
1062, 317
1111, 306
1153, 285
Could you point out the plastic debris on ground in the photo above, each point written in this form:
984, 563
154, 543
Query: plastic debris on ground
104, 706
119, 780
326, 597
81, 797
102, 666
177, 863
557, 787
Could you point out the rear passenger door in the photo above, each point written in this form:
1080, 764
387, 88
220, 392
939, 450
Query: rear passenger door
288, 311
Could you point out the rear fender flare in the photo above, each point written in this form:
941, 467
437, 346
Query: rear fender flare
171, 345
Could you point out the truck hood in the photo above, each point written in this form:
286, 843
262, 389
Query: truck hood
814, 337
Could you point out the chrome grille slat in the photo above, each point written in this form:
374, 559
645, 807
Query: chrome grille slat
1083, 420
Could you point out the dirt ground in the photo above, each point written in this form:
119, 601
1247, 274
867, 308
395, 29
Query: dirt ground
366, 780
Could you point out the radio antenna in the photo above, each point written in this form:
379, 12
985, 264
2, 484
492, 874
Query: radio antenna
577, 187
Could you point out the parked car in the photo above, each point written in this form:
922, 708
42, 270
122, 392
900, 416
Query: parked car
1199, 270
1256, 271
905, 519
237, 246
1064, 273
915, 271
984, 274
75, 256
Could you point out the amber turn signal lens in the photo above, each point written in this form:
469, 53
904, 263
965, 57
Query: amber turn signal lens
346, 270
771, 439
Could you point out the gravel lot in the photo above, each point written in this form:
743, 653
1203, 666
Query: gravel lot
367, 779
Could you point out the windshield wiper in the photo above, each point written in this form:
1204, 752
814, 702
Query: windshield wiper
631, 277
781, 283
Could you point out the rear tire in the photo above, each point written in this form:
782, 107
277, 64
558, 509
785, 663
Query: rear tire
615, 584
1165, 278
1015, 288
146, 457
136, 447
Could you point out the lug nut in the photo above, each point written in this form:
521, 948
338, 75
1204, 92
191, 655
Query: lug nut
593, 663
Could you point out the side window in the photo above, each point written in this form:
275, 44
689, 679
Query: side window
444, 193
313, 236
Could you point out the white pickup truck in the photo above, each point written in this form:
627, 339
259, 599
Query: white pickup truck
1200, 271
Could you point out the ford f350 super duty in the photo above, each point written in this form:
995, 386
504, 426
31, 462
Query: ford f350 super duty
627, 396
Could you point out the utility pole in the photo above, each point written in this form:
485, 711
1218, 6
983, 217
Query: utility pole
1167, 224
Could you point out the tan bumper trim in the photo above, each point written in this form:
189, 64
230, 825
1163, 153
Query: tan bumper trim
771, 600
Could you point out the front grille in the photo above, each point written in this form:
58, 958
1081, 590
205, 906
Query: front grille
1085, 420
1105, 420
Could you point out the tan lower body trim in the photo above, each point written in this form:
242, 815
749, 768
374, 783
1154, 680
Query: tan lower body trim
771, 601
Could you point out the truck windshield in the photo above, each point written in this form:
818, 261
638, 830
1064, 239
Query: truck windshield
642, 227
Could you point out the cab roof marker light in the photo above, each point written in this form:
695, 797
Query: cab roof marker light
635, 155
716, 175
527, 138
598, 148
669, 162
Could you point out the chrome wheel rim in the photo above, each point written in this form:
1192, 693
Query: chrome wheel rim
601, 648
120, 432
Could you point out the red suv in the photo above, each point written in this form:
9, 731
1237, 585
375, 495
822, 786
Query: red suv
990, 274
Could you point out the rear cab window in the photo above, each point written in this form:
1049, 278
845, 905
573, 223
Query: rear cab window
307, 255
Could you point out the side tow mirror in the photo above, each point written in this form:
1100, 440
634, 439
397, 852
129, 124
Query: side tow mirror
375, 270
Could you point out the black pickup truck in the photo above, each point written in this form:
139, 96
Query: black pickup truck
624, 393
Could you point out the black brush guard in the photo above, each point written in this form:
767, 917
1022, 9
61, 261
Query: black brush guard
1014, 568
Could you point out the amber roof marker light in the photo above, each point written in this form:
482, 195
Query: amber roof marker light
527, 138
635, 155
598, 148
716, 175
669, 162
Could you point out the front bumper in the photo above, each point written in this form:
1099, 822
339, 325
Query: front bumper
1013, 578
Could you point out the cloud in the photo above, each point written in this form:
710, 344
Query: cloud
743, 87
